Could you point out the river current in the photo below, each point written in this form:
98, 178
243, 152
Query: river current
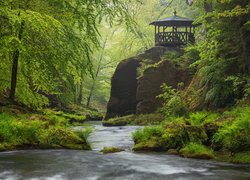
127, 165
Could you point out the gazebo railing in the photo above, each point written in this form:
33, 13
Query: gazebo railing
174, 38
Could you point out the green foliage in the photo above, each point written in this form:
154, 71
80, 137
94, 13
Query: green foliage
235, 136
85, 133
174, 104
194, 150
202, 117
223, 59
54, 41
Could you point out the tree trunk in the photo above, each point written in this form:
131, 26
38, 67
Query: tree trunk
80, 93
15, 59
90, 93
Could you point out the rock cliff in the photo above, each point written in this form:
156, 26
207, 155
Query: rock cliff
131, 94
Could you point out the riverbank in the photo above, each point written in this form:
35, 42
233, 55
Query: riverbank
203, 135
78, 164
221, 136
23, 128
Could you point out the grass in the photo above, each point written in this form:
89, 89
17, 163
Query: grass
194, 150
142, 119
107, 150
22, 132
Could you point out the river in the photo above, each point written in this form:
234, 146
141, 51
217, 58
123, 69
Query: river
93, 165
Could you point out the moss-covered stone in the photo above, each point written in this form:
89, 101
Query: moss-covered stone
150, 145
57, 137
107, 150
142, 119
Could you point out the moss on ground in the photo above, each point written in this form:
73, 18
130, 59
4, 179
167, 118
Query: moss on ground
107, 150
142, 119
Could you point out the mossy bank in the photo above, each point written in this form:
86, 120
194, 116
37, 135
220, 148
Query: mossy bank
218, 136
47, 129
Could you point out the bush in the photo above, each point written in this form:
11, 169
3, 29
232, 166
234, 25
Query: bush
173, 102
194, 150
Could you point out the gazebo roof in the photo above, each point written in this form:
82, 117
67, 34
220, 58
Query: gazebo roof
173, 21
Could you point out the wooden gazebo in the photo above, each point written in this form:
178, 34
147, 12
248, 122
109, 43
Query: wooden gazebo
174, 31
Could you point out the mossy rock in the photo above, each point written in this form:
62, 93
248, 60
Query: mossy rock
135, 119
57, 137
173, 151
149, 146
107, 150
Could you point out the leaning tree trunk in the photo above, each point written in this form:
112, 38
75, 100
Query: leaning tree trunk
15, 59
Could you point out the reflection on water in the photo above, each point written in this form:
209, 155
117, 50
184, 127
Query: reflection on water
92, 165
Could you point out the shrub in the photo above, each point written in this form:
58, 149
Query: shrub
173, 102
202, 117
194, 150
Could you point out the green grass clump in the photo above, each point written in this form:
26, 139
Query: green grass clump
142, 135
148, 139
194, 150
18, 133
107, 150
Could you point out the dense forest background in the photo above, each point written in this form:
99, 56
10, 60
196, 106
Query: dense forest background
67, 51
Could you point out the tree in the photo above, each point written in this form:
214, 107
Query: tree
43, 38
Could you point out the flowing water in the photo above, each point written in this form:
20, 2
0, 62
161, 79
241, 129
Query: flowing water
92, 165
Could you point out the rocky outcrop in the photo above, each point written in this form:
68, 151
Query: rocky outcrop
149, 85
123, 90
130, 95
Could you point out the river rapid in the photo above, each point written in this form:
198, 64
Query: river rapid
127, 165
